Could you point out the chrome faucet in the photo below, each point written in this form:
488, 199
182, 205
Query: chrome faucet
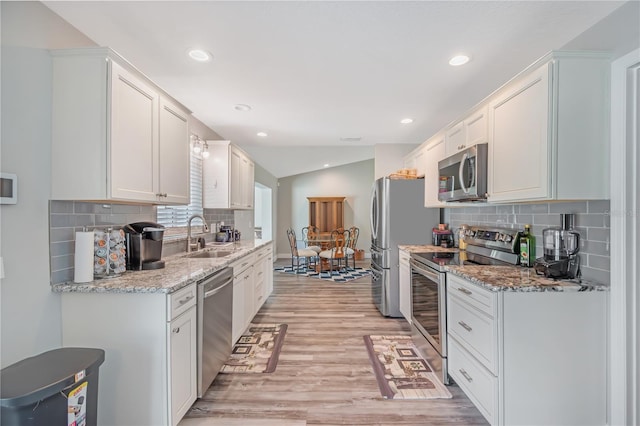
205, 228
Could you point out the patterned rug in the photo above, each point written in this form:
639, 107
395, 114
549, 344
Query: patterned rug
257, 350
342, 276
400, 371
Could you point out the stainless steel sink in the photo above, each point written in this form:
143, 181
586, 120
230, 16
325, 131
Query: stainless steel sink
211, 254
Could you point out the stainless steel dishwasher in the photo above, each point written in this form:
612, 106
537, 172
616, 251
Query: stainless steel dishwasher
215, 304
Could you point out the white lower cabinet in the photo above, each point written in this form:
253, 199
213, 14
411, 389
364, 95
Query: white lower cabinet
404, 282
149, 373
182, 335
529, 357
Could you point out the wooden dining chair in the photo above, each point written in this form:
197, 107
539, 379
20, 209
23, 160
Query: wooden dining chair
354, 231
310, 233
338, 251
310, 257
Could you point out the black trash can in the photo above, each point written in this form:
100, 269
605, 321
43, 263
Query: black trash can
58, 387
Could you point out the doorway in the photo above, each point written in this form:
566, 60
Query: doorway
263, 212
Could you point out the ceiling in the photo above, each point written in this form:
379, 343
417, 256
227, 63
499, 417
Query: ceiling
315, 72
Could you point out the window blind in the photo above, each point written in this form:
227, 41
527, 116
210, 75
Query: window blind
174, 216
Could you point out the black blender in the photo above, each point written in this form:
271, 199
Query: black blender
561, 246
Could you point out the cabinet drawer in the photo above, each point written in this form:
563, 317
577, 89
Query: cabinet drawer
476, 296
180, 301
477, 383
242, 264
476, 331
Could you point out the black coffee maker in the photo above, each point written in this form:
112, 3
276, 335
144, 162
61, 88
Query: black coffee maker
144, 245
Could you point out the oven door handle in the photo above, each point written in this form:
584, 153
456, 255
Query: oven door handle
434, 276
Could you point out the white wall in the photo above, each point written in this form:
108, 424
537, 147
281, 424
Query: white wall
352, 181
30, 317
390, 157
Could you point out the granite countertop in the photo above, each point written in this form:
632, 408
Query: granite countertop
507, 278
519, 279
180, 270
427, 248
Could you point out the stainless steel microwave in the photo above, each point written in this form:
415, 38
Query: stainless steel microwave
463, 176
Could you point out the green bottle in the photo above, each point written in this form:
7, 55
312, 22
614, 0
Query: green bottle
527, 247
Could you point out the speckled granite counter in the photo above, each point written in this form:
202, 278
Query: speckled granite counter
179, 271
516, 278
506, 278
413, 248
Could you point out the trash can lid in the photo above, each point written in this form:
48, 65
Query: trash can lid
41, 376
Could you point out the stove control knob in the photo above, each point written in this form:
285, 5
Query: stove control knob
508, 238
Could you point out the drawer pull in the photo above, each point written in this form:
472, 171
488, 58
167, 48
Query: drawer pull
185, 300
176, 330
464, 325
466, 375
465, 291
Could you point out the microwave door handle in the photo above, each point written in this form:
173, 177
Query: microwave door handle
461, 171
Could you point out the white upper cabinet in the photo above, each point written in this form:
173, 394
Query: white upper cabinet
434, 151
416, 159
228, 177
548, 130
468, 132
115, 135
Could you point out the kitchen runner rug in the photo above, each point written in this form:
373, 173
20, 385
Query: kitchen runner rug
342, 276
257, 350
400, 371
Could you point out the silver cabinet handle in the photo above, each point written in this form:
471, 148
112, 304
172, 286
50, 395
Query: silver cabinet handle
464, 325
185, 300
466, 375
176, 330
465, 291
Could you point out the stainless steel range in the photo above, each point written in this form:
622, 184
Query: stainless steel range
485, 246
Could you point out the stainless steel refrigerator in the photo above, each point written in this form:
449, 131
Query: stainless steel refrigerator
398, 216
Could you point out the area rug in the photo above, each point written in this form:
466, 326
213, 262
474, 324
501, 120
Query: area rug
342, 276
400, 371
257, 350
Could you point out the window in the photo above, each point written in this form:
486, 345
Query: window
174, 216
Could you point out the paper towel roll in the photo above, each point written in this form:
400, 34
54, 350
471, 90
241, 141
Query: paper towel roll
83, 270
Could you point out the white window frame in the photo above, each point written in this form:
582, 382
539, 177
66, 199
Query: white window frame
177, 216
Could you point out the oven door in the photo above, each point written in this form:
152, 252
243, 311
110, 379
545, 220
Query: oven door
428, 303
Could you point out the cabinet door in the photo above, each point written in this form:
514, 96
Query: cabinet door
182, 364
174, 154
476, 127
405, 285
134, 138
435, 151
519, 151
215, 179
238, 320
236, 184
248, 190
455, 138
249, 295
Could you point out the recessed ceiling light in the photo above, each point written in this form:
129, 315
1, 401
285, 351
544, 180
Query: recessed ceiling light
242, 107
262, 134
326, 165
200, 55
458, 60
406, 120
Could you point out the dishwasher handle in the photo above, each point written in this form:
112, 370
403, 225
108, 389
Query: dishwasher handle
218, 288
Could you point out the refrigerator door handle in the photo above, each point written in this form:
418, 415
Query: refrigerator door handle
374, 213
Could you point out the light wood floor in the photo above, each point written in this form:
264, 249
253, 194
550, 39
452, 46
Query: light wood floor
324, 376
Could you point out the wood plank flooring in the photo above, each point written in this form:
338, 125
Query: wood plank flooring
324, 376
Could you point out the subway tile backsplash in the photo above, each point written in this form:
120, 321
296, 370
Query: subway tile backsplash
592, 221
68, 217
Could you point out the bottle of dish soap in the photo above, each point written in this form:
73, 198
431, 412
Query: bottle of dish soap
527, 247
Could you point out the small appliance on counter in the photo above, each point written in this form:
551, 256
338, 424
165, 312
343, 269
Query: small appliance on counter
561, 246
144, 245
442, 237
